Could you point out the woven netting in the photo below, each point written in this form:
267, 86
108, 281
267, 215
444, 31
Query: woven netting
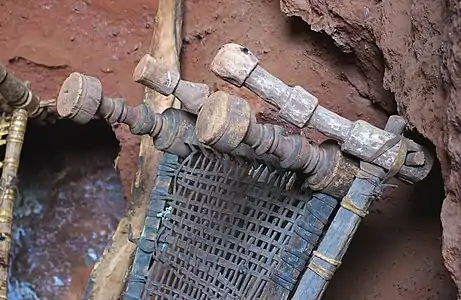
230, 233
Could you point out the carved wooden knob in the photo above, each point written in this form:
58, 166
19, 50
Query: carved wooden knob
226, 121
223, 121
79, 98
155, 75
234, 63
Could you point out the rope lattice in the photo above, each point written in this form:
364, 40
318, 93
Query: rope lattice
227, 233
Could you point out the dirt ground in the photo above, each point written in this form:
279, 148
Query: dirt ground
396, 252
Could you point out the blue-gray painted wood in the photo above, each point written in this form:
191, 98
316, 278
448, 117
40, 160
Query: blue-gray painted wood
337, 239
137, 277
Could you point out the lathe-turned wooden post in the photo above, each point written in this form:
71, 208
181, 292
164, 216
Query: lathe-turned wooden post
238, 65
166, 81
81, 99
17, 94
226, 121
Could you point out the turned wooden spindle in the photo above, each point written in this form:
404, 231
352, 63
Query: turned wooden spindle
226, 121
18, 95
158, 77
81, 99
239, 66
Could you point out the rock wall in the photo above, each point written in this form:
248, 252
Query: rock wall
408, 49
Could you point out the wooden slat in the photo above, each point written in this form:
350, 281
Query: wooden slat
107, 279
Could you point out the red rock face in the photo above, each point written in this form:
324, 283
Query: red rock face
451, 143
350, 25
412, 49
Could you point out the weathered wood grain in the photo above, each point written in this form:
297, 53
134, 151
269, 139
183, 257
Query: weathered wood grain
157, 76
108, 277
239, 66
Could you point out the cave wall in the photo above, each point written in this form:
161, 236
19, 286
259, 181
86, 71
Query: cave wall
408, 50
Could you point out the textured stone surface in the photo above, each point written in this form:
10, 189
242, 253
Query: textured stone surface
412, 49
350, 24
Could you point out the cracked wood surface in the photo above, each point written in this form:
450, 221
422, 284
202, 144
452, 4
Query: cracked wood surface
108, 276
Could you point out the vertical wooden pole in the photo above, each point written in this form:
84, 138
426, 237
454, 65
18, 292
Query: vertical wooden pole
14, 142
108, 277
